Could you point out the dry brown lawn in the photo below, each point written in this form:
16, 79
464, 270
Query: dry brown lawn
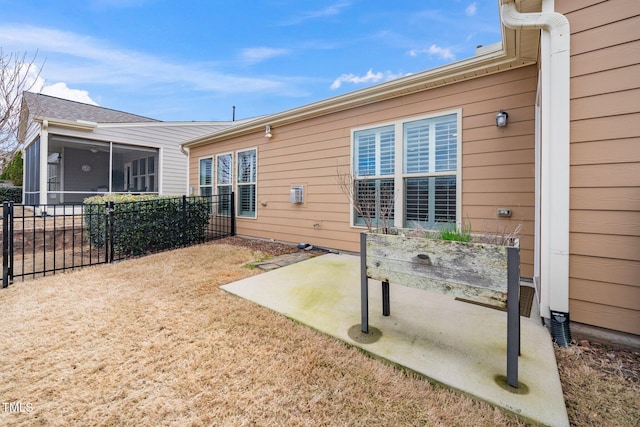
153, 341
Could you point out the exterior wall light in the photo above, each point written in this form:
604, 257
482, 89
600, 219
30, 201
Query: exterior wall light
501, 118
267, 132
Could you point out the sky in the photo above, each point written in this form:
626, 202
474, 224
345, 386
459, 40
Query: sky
194, 60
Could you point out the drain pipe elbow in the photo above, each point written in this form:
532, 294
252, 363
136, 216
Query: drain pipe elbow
555, 23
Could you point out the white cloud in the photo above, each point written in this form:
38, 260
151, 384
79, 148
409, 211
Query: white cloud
33, 82
434, 50
60, 90
258, 54
471, 9
331, 10
84, 59
369, 77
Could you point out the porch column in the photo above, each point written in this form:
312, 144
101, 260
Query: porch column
44, 154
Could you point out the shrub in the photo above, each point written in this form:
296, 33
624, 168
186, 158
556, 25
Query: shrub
146, 223
13, 170
10, 194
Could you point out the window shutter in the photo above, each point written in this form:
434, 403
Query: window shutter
206, 174
366, 155
446, 146
416, 153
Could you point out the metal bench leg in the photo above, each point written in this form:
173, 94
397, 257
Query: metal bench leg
513, 316
364, 285
386, 303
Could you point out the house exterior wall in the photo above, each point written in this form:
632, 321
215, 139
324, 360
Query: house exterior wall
167, 137
497, 163
604, 262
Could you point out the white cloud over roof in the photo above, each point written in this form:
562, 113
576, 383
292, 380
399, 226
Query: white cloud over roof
368, 78
441, 52
471, 9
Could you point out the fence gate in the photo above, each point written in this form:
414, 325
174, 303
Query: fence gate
43, 239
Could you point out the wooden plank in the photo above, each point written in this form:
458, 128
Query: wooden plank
605, 105
597, 13
604, 36
608, 151
608, 81
498, 145
605, 222
605, 293
567, 6
498, 199
605, 59
499, 171
606, 199
497, 185
608, 270
477, 272
605, 246
605, 128
605, 316
607, 175
510, 157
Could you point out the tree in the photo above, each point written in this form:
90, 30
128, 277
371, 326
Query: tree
18, 74
13, 170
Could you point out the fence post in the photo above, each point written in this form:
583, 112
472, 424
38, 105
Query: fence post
183, 233
232, 207
112, 218
11, 239
5, 244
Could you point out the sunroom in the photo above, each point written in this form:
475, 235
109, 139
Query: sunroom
72, 169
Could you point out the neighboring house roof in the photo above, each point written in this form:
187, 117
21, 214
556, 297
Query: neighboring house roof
68, 114
50, 107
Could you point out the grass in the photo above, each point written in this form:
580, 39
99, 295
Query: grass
452, 233
154, 341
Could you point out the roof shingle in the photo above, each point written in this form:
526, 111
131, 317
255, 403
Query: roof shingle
58, 108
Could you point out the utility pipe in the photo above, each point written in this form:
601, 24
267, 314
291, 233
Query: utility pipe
555, 140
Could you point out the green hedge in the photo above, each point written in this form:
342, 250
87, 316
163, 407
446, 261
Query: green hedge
147, 223
11, 194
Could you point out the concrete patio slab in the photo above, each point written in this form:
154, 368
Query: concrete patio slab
459, 345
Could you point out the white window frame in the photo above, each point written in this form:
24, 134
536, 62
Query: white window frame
239, 184
218, 185
200, 185
399, 176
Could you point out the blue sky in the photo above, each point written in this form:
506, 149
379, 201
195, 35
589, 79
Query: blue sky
194, 60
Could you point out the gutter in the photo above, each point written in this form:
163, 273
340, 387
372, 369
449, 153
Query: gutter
69, 124
555, 157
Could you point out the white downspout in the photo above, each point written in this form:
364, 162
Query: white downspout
555, 142
44, 165
187, 152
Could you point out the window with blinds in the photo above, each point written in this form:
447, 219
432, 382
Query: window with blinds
430, 168
427, 185
206, 176
374, 159
246, 182
224, 181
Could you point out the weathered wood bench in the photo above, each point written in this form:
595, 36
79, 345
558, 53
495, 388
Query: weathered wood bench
487, 274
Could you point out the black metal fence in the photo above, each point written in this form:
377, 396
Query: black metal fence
44, 239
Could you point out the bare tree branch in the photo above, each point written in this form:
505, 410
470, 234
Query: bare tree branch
18, 74
373, 200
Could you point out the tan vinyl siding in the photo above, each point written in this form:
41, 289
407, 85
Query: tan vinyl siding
498, 163
604, 263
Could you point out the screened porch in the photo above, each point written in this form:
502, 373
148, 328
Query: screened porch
80, 168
